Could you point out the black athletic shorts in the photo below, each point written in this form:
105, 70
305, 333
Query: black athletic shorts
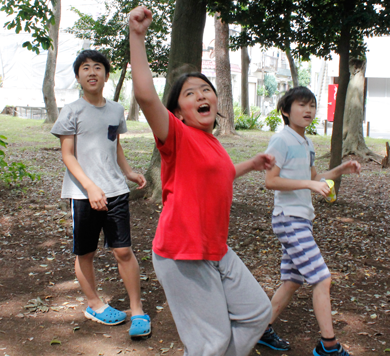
88, 222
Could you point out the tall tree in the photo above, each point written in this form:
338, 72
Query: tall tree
223, 78
316, 27
245, 61
134, 108
185, 55
49, 96
353, 139
268, 23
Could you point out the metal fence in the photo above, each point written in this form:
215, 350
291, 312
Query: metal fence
27, 112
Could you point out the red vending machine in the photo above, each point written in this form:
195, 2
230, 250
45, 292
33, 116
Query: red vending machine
332, 93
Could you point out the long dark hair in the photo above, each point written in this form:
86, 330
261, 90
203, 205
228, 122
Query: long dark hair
174, 93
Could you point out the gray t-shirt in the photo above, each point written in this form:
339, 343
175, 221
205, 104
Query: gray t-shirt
95, 131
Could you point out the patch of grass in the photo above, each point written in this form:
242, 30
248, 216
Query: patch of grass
137, 126
378, 145
30, 136
24, 132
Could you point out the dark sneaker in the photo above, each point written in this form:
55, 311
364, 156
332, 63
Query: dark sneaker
272, 340
337, 351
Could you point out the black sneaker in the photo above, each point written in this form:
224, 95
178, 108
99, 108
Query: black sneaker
337, 351
272, 340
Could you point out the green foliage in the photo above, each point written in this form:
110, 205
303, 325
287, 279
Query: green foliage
124, 100
273, 120
314, 26
15, 171
110, 32
311, 129
262, 91
304, 76
270, 84
248, 122
30, 16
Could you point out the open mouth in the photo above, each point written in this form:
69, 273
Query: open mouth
205, 108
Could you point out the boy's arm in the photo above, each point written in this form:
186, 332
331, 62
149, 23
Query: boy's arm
126, 169
96, 196
345, 168
273, 181
144, 90
257, 163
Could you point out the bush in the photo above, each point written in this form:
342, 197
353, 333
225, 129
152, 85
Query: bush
273, 120
15, 171
270, 84
312, 129
248, 122
262, 91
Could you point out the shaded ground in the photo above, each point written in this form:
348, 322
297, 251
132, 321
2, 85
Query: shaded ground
35, 261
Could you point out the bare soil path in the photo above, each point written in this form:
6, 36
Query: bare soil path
36, 262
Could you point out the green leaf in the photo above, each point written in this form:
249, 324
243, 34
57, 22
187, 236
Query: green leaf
55, 342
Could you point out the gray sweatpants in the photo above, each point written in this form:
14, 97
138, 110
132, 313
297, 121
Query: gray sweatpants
219, 308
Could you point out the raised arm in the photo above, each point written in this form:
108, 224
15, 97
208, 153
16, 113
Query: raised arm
144, 91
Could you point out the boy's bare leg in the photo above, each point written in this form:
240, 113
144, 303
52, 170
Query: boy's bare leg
282, 297
86, 277
129, 271
323, 310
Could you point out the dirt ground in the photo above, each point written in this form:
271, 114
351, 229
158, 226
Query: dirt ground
36, 270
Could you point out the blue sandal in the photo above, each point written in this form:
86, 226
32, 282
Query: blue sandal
109, 316
140, 325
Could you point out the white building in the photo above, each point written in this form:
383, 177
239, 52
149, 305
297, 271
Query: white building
377, 82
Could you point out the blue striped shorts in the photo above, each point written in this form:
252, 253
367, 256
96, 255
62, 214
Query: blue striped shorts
302, 259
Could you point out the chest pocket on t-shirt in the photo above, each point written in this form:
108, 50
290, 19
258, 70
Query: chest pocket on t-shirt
112, 132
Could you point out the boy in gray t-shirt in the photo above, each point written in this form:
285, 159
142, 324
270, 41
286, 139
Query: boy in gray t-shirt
89, 131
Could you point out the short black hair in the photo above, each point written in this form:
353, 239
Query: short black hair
174, 93
94, 55
298, 93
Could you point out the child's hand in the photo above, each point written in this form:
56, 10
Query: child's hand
263, 161
319, 187
137, 178
97, 198
350, 167
139, 20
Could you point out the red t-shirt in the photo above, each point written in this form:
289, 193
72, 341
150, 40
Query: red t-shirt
197, 181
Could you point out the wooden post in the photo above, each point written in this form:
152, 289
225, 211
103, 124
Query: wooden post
368, 128
326, 127
385, 160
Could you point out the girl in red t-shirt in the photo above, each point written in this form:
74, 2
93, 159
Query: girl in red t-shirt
218, 306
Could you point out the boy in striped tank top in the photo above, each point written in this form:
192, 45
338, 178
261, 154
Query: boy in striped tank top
293, 178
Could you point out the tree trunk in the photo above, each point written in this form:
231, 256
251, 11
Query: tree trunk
120, 82
293, 67
186, 40
134, 108
49, 96
337, 134
223, 79
353, 139
245, 60
185, 56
